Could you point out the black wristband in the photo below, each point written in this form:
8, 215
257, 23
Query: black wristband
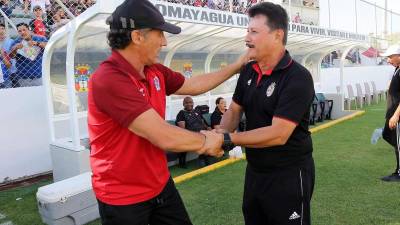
228, 144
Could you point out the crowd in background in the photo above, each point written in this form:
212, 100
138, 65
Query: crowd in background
238, 6
35, 21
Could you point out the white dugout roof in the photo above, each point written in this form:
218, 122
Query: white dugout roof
210, 32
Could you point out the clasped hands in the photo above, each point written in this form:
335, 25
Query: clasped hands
213, 143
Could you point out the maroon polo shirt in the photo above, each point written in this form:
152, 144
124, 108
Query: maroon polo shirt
126, 168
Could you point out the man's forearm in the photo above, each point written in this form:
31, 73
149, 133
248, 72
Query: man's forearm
230, 121
258, 138
150, 126
276, 134
181, 140
42, 44
398, 109
397, 112
13, 52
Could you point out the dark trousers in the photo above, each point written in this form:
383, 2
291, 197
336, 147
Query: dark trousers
14, 80
396, 152
390, 136
182, 159
165, 209
281, 197
204, 160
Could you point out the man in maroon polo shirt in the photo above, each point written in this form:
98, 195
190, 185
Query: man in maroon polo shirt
126, 121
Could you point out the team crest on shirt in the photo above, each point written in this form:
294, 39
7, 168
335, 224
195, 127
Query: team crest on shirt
157, 83
271, 89
141, 90
249, 82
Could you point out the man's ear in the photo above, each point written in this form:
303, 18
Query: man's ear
136, 37
279, 34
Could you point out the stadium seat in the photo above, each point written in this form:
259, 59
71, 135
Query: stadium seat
360, 96
326, 104
320, 109
352, 97
368, 95
378, 95
313, 112
207, 119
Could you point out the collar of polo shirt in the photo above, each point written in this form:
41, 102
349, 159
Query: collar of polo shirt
284, 63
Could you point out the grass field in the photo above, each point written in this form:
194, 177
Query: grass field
347, 192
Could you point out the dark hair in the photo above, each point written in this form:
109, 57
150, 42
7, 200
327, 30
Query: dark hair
218, 100
2, 25
119, 38
277, 17
22, 24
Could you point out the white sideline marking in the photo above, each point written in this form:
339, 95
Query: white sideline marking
7, 223
2, 216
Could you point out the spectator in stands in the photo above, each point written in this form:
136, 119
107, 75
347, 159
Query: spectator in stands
393, 110
60, 12
44, 4
250, 3
37, 25
198, 3
297, 18
87, 3
235, 6
6, 7
216, 116
225, 5
27, 50
78, 10
59, 19
210, 4
242, 8
5, 41
5, 64
190, 119
335, 55
75, 8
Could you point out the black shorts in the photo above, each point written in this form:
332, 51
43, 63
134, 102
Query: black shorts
280, 197
165, 209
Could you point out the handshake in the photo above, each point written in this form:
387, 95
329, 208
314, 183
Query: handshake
216, 141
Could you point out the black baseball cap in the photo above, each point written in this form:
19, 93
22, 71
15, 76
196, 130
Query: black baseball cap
139, 14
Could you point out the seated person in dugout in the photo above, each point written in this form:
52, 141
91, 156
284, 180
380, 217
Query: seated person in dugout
190, 119
216, 116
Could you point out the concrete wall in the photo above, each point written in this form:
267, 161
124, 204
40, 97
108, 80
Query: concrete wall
24, 135
330, 77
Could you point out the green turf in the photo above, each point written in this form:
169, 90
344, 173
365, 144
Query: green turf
347, 192
24, 211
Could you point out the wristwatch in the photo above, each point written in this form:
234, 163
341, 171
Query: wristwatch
228, 144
